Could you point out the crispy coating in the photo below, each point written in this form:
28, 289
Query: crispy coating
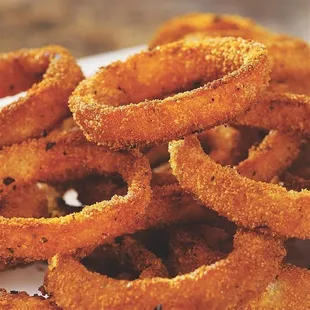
289, 56
127, 259
290, 291
70, 157
21, 300
24, 201
224, 142
248, 203
271, 157
286, 112
218, 286
211, 24
52, 74
188, 251
230, 70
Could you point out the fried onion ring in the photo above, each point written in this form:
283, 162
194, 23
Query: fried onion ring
58, 160
286, 112
188, 251
271, 157
215, 286
21, 300
289, 56
53, 74
238, 198
230, 70
290, 291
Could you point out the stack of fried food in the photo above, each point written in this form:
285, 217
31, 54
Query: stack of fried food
190, 161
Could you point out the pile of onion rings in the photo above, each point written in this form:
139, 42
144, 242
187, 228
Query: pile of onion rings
190, 166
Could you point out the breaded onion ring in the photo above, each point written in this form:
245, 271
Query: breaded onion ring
212, 24
289, 56
24, 201
130, 255
52, 74
226, 284
271, 157
188, 251
286, 112
21, 300
290, 291
248, 203
58, 160
224, 142
233, 72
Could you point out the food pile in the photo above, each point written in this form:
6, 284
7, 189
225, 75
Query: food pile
190, 161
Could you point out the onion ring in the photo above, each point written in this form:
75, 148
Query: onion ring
24, 201
57, 160
290, 291
188, 251
131, 255
21, 300
289, 56
228, 69
216, 286
241, 200
46, 103
271, 157
286, 112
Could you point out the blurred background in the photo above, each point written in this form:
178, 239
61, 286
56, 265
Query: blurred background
88, 27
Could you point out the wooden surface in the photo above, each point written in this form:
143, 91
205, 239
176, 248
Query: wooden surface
91, 26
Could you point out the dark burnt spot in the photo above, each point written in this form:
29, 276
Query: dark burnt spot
253, 173
44, 240
14, 187
12, 87
212, 178
271, 108
8, 181
14, 292
212, 99
159, 307
64, 153
44, 133
50, 145
11, 250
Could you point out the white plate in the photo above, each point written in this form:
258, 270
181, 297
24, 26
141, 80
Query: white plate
30, 278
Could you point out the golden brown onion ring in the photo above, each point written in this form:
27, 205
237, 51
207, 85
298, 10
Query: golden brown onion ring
188, 251
271, 157
224, 142
52, 74
230, 70
24, 201
211, 24
21, 300
129, 257
286, 112
289, 56
248, 203
58, 160
290, 291
228, 283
